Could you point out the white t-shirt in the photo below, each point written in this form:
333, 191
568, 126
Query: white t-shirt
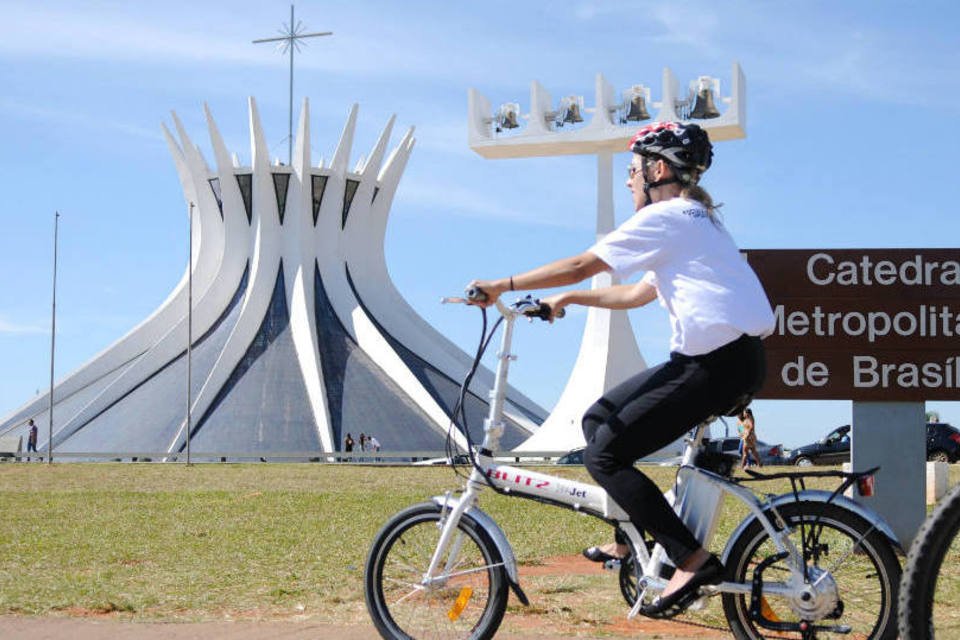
711, 293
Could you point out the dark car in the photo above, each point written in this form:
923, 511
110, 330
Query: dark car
571, 457
943, 442
943, 445
833, 448
729, 448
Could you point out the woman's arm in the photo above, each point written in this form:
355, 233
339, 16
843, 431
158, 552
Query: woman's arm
621, 296
558, 273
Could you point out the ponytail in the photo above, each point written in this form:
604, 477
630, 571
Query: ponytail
691, 190
698, 193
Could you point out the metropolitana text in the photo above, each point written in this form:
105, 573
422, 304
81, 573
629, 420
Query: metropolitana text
923, 321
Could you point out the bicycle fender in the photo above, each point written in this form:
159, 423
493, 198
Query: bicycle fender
816, 495
480, 518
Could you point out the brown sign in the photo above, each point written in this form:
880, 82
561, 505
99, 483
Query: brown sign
862, 324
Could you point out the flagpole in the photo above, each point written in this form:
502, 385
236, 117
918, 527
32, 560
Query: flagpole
53, 334
189, 330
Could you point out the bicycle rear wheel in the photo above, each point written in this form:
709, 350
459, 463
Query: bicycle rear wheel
920, 615
467, 599
852, 569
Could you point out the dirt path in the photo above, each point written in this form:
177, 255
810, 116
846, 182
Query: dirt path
88, 626
17, 628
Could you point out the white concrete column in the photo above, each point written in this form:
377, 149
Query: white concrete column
608, 351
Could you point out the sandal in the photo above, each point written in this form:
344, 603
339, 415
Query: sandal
711, 572
595, 554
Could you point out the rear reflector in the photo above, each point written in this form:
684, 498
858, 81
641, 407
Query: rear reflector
865, 486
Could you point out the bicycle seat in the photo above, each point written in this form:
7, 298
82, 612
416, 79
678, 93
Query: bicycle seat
741, 403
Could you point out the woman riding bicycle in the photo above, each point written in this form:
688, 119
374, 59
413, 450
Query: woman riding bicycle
718, 313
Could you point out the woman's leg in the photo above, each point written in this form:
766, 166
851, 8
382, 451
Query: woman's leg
648, 412
640, 416
756, 454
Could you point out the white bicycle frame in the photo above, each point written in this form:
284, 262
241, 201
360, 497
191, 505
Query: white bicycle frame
697, 499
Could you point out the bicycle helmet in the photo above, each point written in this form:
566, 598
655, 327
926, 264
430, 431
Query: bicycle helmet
685, 146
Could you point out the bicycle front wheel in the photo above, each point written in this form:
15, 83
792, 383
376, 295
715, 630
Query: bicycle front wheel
920, 614
852, 571
466, 599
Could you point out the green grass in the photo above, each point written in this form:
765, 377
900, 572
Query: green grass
151, 541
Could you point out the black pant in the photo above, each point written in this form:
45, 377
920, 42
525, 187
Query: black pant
653, 409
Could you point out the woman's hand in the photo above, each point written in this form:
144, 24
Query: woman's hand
493, 289
556, 302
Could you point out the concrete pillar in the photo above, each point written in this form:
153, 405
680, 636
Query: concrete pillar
938, 481
892, 435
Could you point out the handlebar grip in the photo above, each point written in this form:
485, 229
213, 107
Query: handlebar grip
543, 312
476, 294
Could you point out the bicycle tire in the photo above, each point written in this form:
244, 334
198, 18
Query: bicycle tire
469, 604
921, 574
866, 573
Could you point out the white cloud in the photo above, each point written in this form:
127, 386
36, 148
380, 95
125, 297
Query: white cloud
415, 49
13, 329
454, 200
80, 33
448, 137
72, 118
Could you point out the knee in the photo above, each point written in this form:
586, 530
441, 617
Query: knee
598, 460
589, 424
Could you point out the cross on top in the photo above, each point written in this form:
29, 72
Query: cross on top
289, 41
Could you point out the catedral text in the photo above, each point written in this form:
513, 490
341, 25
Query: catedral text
823, 269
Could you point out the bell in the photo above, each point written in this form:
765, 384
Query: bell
572, 113
506, 117
637, 109
703, 106
509, 120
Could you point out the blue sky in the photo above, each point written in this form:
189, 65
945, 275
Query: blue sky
852, 138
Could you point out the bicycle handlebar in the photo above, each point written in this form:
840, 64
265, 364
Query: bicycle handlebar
527, 306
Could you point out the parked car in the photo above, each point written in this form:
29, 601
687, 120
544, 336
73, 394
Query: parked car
943, 442
574, 456
833, 448
729, 448
943, 445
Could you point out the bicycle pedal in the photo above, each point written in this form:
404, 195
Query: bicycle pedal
612, 565
699, 604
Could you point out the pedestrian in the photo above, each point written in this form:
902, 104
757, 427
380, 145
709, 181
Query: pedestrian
348, 444
374, 445
32, 439
749, 438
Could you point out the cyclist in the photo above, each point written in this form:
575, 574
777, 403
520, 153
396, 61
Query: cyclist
718, 314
